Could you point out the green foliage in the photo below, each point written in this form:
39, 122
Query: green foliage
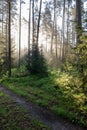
15, 117
3, 65
78, 68
36, 62
60, 92
59, 111
17, 72
4, 55
82, 52
67, 66
3, 77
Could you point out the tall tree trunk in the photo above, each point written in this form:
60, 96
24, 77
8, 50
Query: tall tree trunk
29, 28
2, 19
51, 48
46, 38
79, 30
79, 19
39, 17
6, 42
20, 34
55, 25
63, 30
9, 38
68, 24
33, 29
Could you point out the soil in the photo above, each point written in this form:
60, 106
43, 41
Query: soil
45, 116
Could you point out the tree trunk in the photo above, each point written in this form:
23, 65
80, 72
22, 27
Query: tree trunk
20, 34
9, 38
55, 25
38, 26
33, 25
63, 31
6, 42
79, 30
2, 19
29, 28
68, 29
79, 20
51, 48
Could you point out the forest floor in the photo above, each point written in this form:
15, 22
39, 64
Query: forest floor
40, 113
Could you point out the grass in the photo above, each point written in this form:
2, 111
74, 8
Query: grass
60, 92
14, 117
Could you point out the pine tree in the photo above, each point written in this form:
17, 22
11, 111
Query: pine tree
36, 63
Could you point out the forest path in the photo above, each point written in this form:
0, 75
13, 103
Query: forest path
45, 116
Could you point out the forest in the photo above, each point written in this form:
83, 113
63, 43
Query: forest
43, 63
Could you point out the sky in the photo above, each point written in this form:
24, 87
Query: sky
85, 4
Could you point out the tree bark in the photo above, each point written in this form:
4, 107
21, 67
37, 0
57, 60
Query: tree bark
38, 26
20, 34
33, 25
79, 30
29, 28
55, 25
63, 31
78, 20
9, 39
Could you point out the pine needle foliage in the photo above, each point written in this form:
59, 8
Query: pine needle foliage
36, 62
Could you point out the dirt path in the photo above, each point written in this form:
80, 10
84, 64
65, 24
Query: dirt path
43, 115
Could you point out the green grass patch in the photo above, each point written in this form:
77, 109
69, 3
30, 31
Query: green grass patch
15, 117
59, 92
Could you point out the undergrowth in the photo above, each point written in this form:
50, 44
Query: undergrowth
59, 92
